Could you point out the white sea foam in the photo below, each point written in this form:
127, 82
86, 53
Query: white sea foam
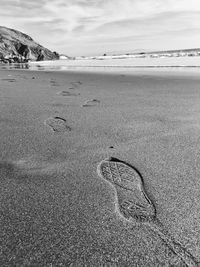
125, 62
121, 65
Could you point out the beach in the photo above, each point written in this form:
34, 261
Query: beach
56, 127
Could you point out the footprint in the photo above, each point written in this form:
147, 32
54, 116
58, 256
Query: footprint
75, 84
66, 93
132, 202
54, 83
9, 80
90, 103
57, 124
58, 105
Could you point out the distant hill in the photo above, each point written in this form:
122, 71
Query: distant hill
189, 50
19, 47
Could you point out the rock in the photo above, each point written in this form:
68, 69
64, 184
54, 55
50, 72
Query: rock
41, 56
16, 46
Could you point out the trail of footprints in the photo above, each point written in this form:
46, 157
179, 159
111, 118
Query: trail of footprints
75, 85
59, 124
132, 201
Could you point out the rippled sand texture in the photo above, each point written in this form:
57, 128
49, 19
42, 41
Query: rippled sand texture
57, 127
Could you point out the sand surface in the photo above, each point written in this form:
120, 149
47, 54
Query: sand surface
55, 129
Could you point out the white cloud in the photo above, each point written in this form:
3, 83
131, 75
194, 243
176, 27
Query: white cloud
70, 23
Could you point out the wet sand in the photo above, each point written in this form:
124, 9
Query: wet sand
55, 130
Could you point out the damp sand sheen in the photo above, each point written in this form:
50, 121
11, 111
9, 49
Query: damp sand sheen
133, 203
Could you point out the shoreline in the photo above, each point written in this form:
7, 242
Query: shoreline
165, 71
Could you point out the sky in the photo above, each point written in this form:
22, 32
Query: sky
95, 27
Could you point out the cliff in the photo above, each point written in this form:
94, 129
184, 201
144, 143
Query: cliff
16, 46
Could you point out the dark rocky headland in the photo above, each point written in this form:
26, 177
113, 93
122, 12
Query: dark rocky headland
17, 47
